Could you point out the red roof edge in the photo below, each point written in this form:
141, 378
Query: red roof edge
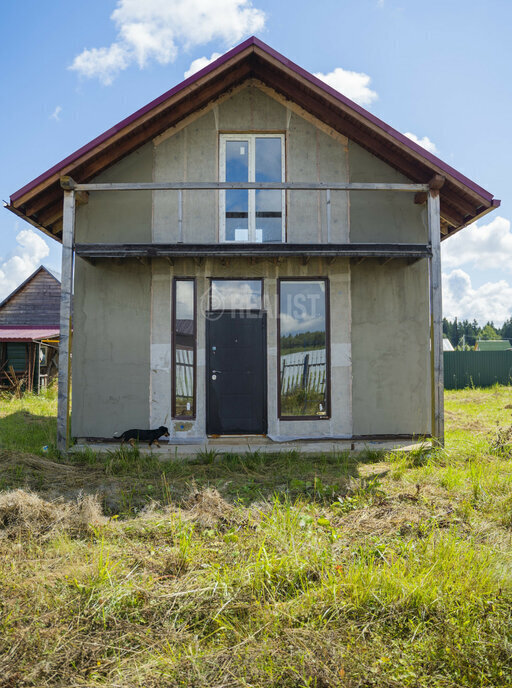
401, 138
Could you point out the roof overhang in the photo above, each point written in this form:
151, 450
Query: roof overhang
462, 201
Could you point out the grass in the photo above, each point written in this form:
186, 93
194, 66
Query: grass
380, 570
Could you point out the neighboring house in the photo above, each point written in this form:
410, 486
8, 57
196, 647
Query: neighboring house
29, 332
257, 274
492, 345
447, 345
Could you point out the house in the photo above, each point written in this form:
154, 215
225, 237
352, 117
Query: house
492, 345
29, 332
447, 345
249, 252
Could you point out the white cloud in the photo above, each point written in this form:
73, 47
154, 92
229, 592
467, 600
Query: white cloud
354, 85
156, 30
27, 256
481, 246
425, 142
491, 301
56, 113
201, 62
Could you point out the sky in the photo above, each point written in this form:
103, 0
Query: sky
438, 72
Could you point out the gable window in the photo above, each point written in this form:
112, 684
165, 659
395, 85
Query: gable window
254, 215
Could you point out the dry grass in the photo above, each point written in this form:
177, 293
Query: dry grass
25, 514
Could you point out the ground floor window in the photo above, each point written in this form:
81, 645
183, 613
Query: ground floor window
184, 347
303, 340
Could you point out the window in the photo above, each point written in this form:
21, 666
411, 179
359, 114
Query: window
232, 294
184, 346
303, 349
255, 215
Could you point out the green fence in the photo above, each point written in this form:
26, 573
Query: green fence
477, 368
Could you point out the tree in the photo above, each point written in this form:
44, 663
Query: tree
488, 332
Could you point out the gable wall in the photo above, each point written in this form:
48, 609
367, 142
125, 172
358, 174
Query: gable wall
37, 303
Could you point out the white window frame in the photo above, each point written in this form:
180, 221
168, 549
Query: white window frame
251, 142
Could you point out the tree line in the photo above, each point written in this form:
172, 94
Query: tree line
463, 334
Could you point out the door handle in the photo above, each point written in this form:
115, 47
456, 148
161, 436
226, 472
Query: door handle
214, 372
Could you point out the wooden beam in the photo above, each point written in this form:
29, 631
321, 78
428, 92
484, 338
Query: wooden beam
261, 250
436, 318
66, 295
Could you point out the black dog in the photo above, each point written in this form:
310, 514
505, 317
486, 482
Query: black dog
152, 436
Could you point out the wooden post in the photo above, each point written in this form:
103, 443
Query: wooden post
328, 213
180, 216
66, 295
436, 317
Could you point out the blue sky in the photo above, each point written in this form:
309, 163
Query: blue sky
440, 71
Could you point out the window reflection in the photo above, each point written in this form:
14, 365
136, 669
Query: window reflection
235, 294
184, 349
303, 348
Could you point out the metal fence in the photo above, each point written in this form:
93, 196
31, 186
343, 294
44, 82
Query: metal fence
303, 369
185, 373
477, 368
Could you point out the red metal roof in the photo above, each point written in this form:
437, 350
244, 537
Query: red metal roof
27, 334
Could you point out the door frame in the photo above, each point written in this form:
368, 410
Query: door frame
262, 314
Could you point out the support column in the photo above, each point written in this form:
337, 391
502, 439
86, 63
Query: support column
436, 316
66, 295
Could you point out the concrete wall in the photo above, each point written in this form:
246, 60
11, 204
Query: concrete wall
191, 154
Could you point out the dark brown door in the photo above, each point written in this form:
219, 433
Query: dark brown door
236, 373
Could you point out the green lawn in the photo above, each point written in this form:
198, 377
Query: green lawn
250, 570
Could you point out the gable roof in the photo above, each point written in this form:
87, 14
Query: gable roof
462, 200
31, 277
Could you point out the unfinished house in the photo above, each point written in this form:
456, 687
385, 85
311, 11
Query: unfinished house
29, 333
250, 251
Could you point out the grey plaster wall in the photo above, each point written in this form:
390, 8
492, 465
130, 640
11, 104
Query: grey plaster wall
119, 216
192, 154
390, 348
382, 216
111, 348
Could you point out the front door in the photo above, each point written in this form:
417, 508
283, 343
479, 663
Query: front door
236, 373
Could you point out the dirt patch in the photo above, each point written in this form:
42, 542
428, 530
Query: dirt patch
25, 513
